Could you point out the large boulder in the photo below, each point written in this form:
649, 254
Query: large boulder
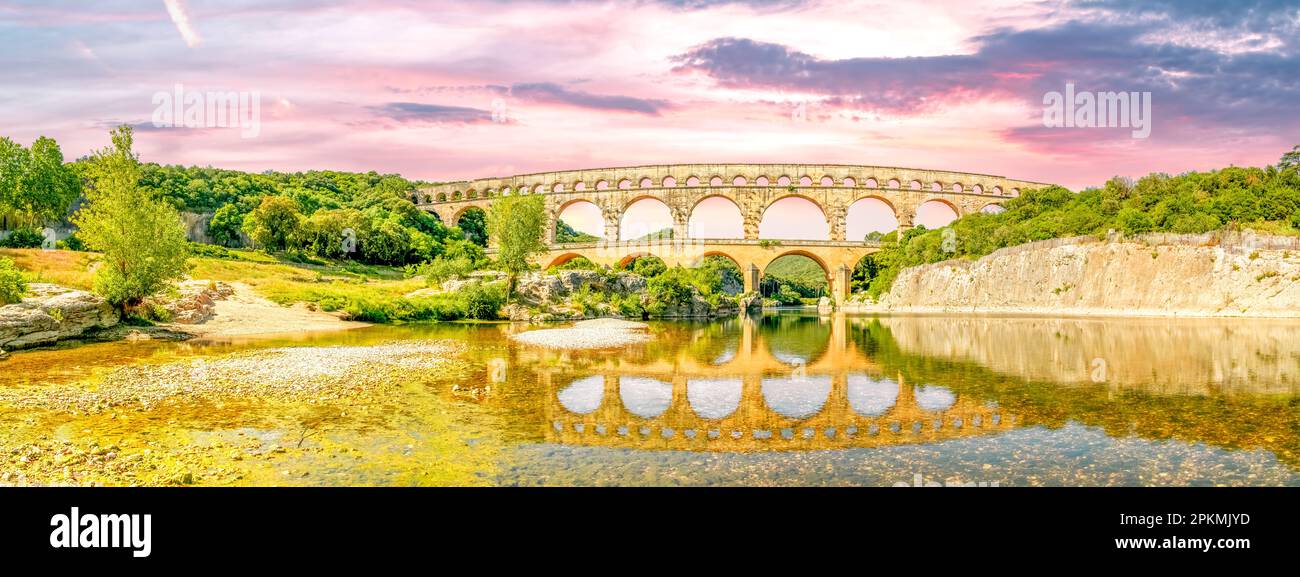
51, 313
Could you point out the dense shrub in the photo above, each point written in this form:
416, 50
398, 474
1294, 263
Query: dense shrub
483, 301
23, 238
12, 284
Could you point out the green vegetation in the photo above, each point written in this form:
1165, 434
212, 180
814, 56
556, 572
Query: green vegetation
790, 279
517, 224
473, 223
12, 284
567, 234
577, 263
661, 234
23, 238
316, 214
141, 238
35, 185
1266, 200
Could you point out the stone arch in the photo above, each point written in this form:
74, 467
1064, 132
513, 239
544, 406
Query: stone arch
936, 186
826, 181
956, 212
602, 184
455, 216
539, 189
630, 257
914, 184
646, 182
668, 182
442, 197
871, 182
692, 180
894, 183
762, 180
805, 180
822, 209
715, 180
739, 180
693, 228
564, 258
723, 255
579, 186
783, 180
456, 195
860, 219
826, 267
977, 189
850, 182
957, 187
997, 190
629, 230
625, 184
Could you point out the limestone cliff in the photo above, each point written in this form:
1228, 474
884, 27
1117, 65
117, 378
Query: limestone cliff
1155, 275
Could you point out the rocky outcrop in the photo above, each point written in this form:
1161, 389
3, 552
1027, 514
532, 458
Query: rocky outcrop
51, 313
543, 288
1156, 275
196, 301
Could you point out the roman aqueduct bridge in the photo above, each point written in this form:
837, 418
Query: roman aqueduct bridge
752, 188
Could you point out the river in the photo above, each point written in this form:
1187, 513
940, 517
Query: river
787, 398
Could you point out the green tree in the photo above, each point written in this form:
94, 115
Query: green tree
275, 224
12, 285
35, 183
13, 163
1290, 160
226, 225
474, 224
517, 223
140, 235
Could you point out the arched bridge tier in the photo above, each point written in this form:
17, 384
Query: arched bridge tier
751, 187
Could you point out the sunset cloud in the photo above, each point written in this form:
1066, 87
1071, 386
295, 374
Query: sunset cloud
412, 87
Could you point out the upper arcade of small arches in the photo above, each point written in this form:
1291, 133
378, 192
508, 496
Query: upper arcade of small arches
686, 176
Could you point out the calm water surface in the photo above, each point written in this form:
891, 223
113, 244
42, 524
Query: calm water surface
791, 398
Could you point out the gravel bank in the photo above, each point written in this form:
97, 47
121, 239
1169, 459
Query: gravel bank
290, 373
592, 334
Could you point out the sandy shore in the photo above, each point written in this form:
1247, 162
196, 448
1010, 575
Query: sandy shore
592, 334
244, 313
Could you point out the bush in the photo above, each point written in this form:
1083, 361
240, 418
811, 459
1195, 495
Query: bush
12, 284
630, 306
73, 242
24, 238
442, 269
483, 301
210, 251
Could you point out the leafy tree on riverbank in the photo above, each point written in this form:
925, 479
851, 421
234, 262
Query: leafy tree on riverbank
517, 224
141, 236
35, 184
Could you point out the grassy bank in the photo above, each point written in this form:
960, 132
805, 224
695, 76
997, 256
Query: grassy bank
361, 292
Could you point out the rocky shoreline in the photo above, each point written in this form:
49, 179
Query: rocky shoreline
590, 334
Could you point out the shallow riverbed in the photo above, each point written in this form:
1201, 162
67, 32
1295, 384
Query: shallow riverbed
789, 398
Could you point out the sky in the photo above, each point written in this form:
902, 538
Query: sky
449, 90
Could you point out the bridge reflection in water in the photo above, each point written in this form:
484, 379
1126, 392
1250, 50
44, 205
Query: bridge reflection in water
783, 388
